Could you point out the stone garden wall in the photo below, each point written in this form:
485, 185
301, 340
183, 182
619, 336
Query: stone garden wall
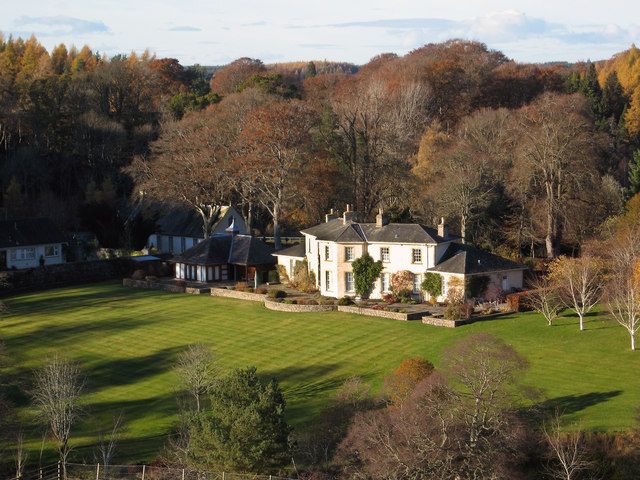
225, 292
289, 307
381, 313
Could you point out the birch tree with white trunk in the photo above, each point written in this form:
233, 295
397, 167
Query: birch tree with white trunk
580, 282
545, 300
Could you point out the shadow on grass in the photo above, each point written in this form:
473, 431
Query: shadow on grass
52, 334
127, 371
569, 404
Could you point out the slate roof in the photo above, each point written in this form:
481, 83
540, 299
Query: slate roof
226, 248
469, 260
338, 231
31, 231
296, 250
183, 222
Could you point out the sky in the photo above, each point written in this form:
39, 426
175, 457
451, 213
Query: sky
212, 32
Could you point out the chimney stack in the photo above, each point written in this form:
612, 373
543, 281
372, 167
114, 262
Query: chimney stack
443, 231
348, 215
381, 219
330, 216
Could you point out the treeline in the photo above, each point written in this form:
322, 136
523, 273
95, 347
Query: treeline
528, 160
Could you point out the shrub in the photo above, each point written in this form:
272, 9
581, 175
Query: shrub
345, 301
282, 273
261, 290
138, 275
432, 284
151, 278
307, 301
515, 301
411, 371
494, 293
249, 290
274, 276
477, 285
326, 301
277, 294
402, 283
290, 301
365, 272
457, 311
241, 287
389, 298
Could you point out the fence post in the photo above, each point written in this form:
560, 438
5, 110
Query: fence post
97, 471
144, 467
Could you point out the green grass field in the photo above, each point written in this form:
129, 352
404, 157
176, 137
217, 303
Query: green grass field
126, 341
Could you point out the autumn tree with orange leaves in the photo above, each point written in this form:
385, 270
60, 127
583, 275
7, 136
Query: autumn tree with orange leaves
274, 152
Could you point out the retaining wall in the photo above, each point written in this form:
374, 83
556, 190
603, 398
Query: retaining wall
381, 313
441, 322
291, 307
225, 292
165, 287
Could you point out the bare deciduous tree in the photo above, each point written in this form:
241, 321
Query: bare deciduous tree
545, 299
567, 455
108, 443
197, 370
56, 394
580, 281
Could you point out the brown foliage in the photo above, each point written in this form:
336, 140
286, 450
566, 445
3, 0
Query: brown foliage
227, 79
411, 371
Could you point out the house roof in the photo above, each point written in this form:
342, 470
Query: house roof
225, 248
181, 221
338, 231
296, 250
468, 260
31, 231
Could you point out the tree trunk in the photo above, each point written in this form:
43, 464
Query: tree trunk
250, 217
463, 227
633, 341
581, 315
550, 237
276, 226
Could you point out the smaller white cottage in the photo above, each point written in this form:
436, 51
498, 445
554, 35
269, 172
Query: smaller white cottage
180, 228
30, 243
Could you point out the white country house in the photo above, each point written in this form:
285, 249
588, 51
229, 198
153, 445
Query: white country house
30, 243
330, 248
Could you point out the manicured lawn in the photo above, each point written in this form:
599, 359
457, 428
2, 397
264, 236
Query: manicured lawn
126, 341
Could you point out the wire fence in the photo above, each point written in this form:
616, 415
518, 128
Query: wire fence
78, 471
